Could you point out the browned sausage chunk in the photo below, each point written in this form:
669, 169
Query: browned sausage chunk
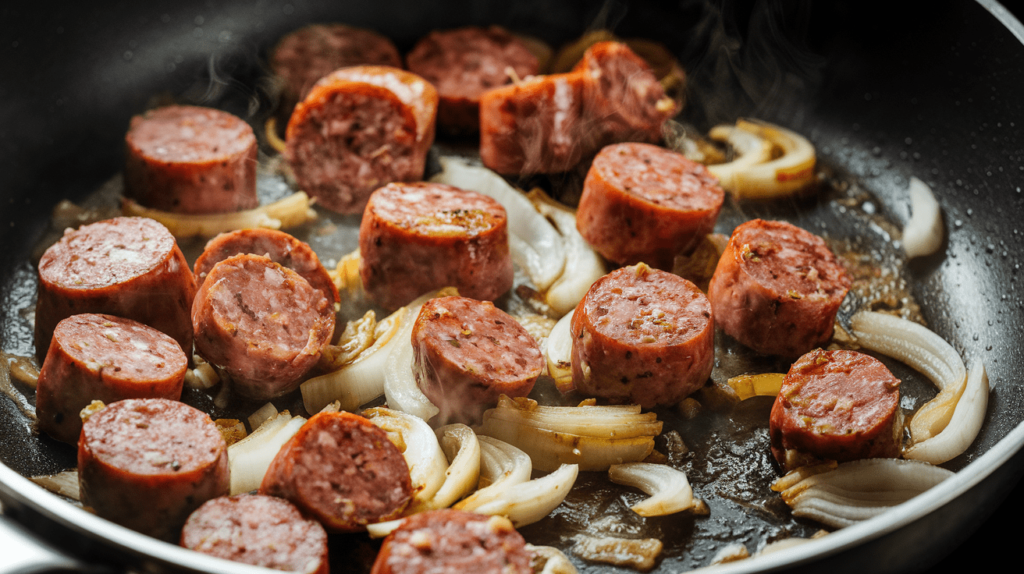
836, 405
453, 541
260, 530
643, 336
187, 159
464, 63
646, 203
279, 246
423, 236
262, 323
308, 54
103, 358
358, 129
467, 353
342, 470
127, 266
777, 288
148, 463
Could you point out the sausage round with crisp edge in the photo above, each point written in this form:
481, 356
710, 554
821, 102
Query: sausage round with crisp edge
643, 336
95, 357
777, 288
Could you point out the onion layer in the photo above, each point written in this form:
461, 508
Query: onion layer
462, 449
923, 233
501, 467
669, 489
418, 443
558, 354
789, 173
249, 458
530, 501
964, 425
750, 148
292, 211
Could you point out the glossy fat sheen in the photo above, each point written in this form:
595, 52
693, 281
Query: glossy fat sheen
148, 463
188, 159
777, 288
260, 530
127, 266
282, 249
104, 358
642, 336
466, 353
418, 237
463, 64
358, 129
342, 470
646, 203
262, 323
453, 541
836, 405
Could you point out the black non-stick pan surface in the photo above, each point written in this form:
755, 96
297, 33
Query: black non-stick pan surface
883, 93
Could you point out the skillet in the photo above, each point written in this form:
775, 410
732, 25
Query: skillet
882, 98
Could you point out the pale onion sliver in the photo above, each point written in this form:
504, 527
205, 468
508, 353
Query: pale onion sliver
462, 449
923, 233
964, 425
249, 458
382, 529
530, 501
63, 483
550, 560
611, 422
427, 462
752, 150
540, 248
501, 466
262, 415
669, 490
782, 176
558, 354
291, 211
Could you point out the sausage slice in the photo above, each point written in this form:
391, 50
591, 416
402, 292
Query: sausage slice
643, 336
148, 463
103, 358
646, 203
777, 288
342, 470
836, 405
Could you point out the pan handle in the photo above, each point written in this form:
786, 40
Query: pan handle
23, 553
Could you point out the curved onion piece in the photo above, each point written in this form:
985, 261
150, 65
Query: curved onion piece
926, 352
418, 443
860, 489
346, 274
963, 427
501, 466
923, 233
613, 422
530, 501
549, 560
782, 176
382, 529
730, 553
762, 385
202, 377
535, 244
361, 379
583, 265
63, 483
558, 353
639, 554
262, 415
751, 149
669, 489
356, 338
270, 131
249, 458
291, 211
462, 450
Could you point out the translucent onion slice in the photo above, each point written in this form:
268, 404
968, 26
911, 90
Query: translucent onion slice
249, 458
462, 449
418, 443
619, 421
782, 176
361, 380
583, 265
382, 529
923, 233
292, 211
346, 275
262, 415
501, 466
63, 483
639, 554
858, 490
356, 338
750, 148
203, 377
558, 354
964, 425
669, 489
530, 501
549, 560
926, 352
730, 553
535, 244
762, 385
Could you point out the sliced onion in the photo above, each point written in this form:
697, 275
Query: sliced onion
762, 385
784, 544
583, 265
639, 554
535, 244
382, 529
926, 352
751, 149
419, 446
203, 377
668, 488
63, 483
356, 338
730, 553
249, 458
346, 275
262, 415
558, 353
530, 501
549, 560
22, 369
923, 233
501, 466
964, 425
613, 422
782, 176
859, 490
292, 211
462, 449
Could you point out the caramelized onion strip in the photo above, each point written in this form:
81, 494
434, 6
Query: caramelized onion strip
292, 211
750, 149
789, 173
